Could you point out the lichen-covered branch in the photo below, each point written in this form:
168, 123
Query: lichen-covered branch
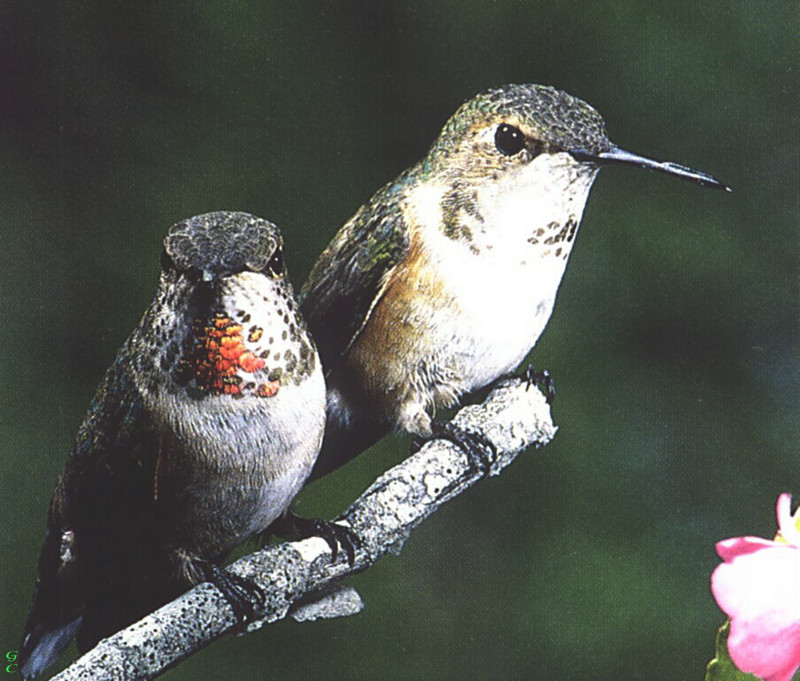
298, 578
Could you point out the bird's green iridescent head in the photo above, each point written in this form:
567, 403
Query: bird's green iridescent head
507, 127
526, 119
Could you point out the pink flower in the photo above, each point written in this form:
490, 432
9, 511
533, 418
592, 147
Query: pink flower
758, 586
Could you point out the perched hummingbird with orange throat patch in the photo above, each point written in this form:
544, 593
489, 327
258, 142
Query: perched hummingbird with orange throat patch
443, 282
200, 435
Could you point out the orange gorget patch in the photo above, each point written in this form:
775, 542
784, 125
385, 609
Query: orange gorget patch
220, 355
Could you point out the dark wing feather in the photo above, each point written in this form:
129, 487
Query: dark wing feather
349, 275
102, 509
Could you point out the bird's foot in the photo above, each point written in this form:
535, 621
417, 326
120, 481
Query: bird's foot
481, 452
338, 537
542, 380
244, 596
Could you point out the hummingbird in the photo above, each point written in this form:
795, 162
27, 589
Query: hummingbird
200, 434
445, 279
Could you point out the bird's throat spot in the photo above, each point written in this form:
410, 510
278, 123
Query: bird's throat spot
216, 357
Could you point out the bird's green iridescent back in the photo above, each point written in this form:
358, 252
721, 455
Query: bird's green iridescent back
347, 276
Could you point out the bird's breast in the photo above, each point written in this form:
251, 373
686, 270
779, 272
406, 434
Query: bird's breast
249, 456
493, 305
241, 412
450, 321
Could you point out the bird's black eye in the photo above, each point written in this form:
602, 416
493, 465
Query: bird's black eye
508, 139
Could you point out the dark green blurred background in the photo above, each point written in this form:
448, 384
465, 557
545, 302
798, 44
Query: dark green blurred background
674, 343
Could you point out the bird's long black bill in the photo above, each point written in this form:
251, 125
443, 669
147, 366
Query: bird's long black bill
616, 155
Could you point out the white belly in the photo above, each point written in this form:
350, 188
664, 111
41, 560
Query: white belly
502, 283
498, 315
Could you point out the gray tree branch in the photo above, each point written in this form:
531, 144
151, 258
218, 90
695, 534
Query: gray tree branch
298, 577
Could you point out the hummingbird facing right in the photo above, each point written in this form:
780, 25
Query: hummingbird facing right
200, 435
443, 282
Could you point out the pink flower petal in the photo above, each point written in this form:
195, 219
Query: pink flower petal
758, 586
760, 582
728, 549
771, 656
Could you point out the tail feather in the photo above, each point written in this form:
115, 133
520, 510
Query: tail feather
41, 647
56, 611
